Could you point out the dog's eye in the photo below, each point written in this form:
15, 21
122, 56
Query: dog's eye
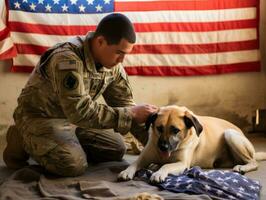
174, 130
160, 129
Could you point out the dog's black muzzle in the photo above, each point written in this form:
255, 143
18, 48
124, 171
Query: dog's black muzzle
164, 145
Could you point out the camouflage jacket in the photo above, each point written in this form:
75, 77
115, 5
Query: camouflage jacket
66, 84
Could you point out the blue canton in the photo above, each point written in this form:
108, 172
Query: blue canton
63, 6
218, 184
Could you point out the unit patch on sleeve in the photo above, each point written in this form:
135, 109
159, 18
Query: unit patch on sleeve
70, 81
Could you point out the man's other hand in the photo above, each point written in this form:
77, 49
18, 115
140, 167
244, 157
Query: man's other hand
141, 112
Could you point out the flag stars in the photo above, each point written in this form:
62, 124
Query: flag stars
56, 1
219, 192
106, 1
48, 8
81, 8
73, 2
207, 187
189, 186
235, 181
40, 1
25, 1
17, 5
252, 187
90, 2
32, 6
241, 189
99, 8
64, 8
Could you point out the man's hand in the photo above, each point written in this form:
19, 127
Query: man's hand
141, 112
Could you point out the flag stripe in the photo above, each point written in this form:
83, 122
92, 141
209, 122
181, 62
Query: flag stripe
192, 49
176, 71
160, 60
138, 17
154, 37
9, 53
192, 71
164, 49
182, 5
192, 59
139, 27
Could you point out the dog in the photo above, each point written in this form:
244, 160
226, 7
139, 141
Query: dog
179, 139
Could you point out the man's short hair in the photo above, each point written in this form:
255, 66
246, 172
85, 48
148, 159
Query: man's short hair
114, 27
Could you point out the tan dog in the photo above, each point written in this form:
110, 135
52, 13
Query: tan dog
180, 139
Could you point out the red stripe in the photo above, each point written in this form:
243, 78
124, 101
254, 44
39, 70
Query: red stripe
10, 53
4, 34
182, 5
192, 71
30, 49
139, 27
164, 49
21, 68
198, 48
176, 71
50, 29
194, 26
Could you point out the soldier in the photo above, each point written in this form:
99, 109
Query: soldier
58, 121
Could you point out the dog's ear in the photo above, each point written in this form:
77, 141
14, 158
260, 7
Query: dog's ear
190, 121
151, 119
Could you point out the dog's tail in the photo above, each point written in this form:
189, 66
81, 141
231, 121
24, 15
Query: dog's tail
260, 156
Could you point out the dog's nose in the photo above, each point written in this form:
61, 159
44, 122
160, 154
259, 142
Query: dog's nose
163, 145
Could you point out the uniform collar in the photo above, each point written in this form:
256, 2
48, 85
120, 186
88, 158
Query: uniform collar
90, 64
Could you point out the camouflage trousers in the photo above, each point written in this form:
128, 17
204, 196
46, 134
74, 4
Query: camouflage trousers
64, 149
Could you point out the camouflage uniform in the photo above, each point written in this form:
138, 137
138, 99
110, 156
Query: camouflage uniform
61, 124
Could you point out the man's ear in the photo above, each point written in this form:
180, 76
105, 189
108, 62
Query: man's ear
100, 40
190, 121
151, 119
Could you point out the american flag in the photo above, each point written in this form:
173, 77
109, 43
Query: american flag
174, 38
217, 184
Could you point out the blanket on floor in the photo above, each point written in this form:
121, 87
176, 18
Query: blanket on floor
98, 183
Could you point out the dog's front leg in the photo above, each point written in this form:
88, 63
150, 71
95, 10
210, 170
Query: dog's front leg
165, 170
146, 158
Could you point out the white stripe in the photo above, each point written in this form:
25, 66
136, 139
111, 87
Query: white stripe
191, 59
5, 45
151, 38
38, 39
136, 17
26, 59
196, 37
2, 15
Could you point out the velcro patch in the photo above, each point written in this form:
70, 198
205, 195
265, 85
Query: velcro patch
68, 65
70, 81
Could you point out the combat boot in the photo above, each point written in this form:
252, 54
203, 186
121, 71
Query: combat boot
14, 155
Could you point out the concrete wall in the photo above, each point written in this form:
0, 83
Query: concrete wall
234, 97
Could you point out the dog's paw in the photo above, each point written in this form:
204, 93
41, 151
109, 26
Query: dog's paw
240, 169
127, 174
158, 177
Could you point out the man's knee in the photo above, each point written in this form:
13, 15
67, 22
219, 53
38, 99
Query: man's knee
65, 161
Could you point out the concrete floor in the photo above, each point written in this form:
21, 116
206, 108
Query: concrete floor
259, 141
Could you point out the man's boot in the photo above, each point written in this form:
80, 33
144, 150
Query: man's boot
14, 155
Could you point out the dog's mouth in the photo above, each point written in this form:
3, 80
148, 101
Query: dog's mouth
165, 154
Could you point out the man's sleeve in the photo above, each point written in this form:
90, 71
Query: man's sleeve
119, 94
67, 78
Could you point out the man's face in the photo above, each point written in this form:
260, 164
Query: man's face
111, 55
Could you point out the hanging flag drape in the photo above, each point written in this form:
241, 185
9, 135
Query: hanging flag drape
174, 38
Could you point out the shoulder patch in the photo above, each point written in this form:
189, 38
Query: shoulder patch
68, 65
70, 81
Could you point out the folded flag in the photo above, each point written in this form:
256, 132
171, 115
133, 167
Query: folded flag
217, 184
